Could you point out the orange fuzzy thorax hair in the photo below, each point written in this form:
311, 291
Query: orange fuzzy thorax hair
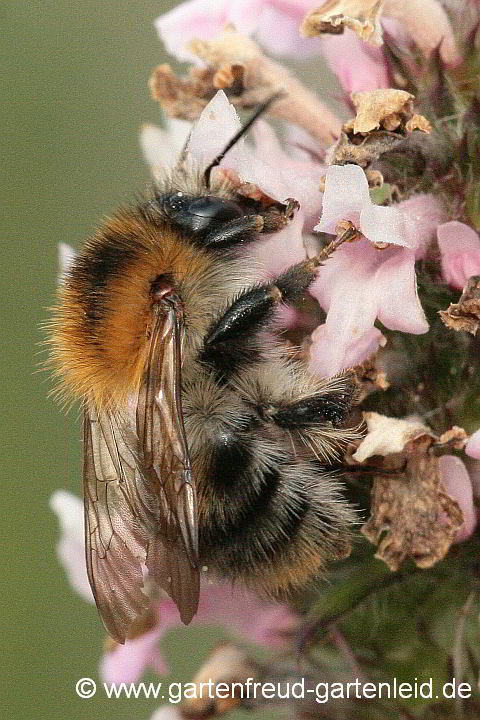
102, 318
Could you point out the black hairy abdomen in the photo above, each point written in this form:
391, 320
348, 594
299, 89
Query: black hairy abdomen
253, 514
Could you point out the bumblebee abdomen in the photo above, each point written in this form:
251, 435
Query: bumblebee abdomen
280, 537
270, 514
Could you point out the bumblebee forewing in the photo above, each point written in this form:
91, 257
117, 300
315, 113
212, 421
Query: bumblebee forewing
139, 497
166, 458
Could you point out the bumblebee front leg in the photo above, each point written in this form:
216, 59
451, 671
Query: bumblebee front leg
244, 229
231, 340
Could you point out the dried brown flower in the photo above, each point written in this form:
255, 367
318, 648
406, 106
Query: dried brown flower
361, 16
237, 65
383, 119
389, 109
369, 378
227, 664
411, 514
455, 438
465, 315
361, 151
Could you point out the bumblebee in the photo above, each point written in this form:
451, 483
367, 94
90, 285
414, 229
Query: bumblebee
206, 443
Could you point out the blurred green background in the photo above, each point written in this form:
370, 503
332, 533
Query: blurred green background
74, 94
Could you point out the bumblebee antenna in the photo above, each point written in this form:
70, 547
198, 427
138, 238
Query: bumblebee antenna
261, 109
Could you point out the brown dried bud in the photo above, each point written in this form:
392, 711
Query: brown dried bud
331, 18
236, 64
221, 682
389, 109
369, 378
465, 315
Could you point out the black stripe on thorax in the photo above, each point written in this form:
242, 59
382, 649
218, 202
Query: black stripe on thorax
106, 257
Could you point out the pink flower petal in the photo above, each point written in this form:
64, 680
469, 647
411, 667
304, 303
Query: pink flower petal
346, 193
215, 127
410, 223
384, 225
357, 285
428, 25
460, 252
473, 467
357, 65
344, 287
271, 627
275, 253
205, 19
457, 483
71, 546
422, 214
243, 612
281, 175
194, 19
285, 17
162, 146
127, 663
330, 354
394, 276
472, 447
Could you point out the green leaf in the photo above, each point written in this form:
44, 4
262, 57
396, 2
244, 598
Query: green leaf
381, 195
350, 587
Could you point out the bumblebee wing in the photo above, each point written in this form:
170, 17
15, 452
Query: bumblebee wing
140, 503
116, 535
173, 559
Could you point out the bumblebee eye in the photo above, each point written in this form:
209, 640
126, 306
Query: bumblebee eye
199, 214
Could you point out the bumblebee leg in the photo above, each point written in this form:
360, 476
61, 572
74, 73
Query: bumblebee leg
243, 229
231, 340
278, 215
236, 232
331, 407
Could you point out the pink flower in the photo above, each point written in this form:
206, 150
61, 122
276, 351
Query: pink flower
242, 612
281, 174
167, 712
460, 252
472, 447
473, 466
71, 546
360, 283
273, 23
356, 64
427, 23
278, 173
331, 351
275, 171
347, 197
457, 483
